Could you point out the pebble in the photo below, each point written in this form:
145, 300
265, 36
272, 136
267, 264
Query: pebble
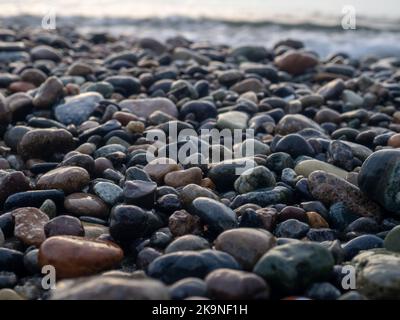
64, 226
43, 143
225, 284
323, 291
68, 179
11, 183
246, 245
80, 257
295, 145
378, 178
48, 93
293, 123
253, 179
176, 266
140, 192
295, 266
110, 288
392, 240
11, 260
145, 107
187, 243
85, 204
378, 275
9, 294
295, 62
232, 120
182, 178
109, 192
158, 168
181, 223
306, 167
364, 242
128, 222
213, 214
29, 225
77, 109
188, 287
329, 189
292, 229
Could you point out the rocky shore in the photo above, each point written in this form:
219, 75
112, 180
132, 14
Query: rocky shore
316, 217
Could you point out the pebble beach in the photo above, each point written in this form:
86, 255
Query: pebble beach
317, 216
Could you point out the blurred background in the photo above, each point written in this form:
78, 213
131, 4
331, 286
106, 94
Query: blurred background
232, 22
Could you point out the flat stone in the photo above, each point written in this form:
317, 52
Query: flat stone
68, 179
183, 178
306, 167
110, 288
77, 109
145, 107
85, 204
80, 257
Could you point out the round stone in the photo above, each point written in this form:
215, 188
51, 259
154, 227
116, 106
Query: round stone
64, 225
225, 284
187, 243
80, 257
392, 240
215, 215
182, 178
292, 267
85, 204
175, 266
379, 178
246, 245
253, 179
68, 179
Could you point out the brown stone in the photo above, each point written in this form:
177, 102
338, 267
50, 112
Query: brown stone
181, 222
29, 225
193, 191
291, 212
49, 93
182, 178
21, 86
68, 179
327, 115
316, 221
43, 143
85, 204
295, 62
329, 188
124, 117
246, 245
158, 168
394, 141
12, 182
227, 284
75, 257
